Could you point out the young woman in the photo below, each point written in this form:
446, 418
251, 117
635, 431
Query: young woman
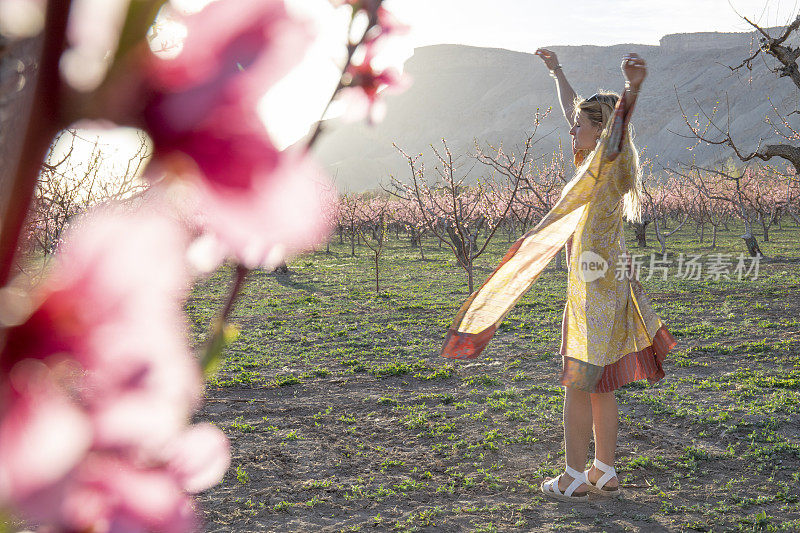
610, 334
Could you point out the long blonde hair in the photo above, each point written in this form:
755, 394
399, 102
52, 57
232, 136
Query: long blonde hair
599, 109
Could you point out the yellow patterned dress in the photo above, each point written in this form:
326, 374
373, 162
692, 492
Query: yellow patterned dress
611, 336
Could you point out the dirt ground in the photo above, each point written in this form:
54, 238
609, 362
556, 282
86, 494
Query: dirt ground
342, 416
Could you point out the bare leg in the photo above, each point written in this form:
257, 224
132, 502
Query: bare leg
606, 423
577, 432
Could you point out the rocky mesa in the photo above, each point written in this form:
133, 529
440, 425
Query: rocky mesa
466, 94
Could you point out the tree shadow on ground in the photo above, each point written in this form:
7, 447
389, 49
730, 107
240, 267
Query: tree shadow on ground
286, 280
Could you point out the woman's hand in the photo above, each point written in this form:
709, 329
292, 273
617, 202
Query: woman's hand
634, 69
550, 59
566, 94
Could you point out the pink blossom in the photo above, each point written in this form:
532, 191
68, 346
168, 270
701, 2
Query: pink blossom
234, 51
364, 82
43, 435
199, 457
103, 292
381, 22
365, 86
282, 213
231, 153
101, 369
109, 492
238, 47
386, 25
202, 102
259, 203
113, 491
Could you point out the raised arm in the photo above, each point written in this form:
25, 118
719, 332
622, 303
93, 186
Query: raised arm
634, 69
566, 94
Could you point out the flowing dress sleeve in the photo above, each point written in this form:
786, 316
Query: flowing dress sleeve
480, 315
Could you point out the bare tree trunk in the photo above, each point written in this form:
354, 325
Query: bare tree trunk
764, 226
469, 276
377, 277
702, 231
750, 240
752, 245
794, 216
714, 237
775, 217
662, 236
659, 236
640, 230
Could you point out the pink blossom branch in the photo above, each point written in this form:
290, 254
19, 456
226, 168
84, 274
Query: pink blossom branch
351, 49
216, 341
418, 194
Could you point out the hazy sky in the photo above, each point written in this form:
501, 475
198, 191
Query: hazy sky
291, 107
525, 25
522, 25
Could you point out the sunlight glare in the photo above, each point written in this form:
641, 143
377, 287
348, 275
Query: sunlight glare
109, 153
166, 35
292, 107
21, 18
189, 6
294, 104
93, 34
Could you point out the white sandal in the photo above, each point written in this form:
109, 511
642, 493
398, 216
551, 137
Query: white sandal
609, 473
550, 488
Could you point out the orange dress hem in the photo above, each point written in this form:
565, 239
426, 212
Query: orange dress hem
644, 364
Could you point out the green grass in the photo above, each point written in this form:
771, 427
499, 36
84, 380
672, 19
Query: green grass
343, 417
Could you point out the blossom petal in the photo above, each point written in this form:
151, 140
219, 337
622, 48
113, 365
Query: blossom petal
201, 456
43, 434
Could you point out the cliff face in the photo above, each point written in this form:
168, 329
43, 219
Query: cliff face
687, 42
464, 94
